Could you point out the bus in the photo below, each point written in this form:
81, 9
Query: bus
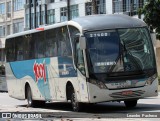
3, 83
87, 60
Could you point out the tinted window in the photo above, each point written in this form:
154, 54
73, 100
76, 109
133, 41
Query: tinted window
19, 48
10, 51
64, 47
29, 45
51, 43
40, 44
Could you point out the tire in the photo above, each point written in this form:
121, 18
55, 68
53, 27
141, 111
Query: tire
31, 102
130, 103
76, 106
29, 97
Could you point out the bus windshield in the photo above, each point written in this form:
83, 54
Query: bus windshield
120, 50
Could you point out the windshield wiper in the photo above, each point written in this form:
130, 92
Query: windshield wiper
124, 53
133, 58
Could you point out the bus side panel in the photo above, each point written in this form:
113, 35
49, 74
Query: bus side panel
13, 84
53, 74
38, 81
83, 89
66, 73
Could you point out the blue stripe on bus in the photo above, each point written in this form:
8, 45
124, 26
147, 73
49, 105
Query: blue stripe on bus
66, 68
21, 69
26, 68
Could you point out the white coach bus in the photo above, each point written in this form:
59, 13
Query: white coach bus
90, 59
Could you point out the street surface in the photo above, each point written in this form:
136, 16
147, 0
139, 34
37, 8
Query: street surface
63, 112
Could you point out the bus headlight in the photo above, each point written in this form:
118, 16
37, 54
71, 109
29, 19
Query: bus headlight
100, 84
151, 79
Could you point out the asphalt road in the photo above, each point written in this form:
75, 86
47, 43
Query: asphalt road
111, 110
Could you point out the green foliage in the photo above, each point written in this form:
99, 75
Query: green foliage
151, 13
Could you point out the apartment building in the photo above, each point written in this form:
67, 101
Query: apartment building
11, 21
128, 7
46, 12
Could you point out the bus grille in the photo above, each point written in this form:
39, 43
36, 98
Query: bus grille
137, 93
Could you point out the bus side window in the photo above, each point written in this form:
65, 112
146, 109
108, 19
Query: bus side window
19, 47
73, 32
51, 44
64, 46
79, 57
10, 53
40, 45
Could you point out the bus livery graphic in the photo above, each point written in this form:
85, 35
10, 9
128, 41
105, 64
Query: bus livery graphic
39, 71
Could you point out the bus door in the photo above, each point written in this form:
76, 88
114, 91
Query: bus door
79, 61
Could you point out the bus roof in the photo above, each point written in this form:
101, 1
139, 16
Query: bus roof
110, 21
93, 22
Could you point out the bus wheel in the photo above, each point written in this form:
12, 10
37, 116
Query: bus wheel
76, 106
130, 103
29, 97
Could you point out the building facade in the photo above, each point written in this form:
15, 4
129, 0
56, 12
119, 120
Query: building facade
11, 21
46, 12
128, 7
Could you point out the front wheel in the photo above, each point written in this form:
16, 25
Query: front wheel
76, 106
130, 103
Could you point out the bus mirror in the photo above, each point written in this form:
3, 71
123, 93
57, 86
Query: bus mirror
153, 37
82, 42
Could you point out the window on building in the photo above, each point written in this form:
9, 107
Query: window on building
52, 1
74, 11
2, 31
51, 16
100, 6
8, 29
18, 4
27, 20
32, 20
37, 19
128, 7
63, 14
18, 27
8, 7
2, 8
117, 6
42, 17
89, 8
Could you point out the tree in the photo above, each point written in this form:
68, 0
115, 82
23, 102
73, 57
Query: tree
151, 13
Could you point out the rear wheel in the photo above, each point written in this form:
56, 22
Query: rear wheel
130, 103
76, 106
29, 97
31, 102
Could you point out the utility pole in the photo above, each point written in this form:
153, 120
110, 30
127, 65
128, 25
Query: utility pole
68, 10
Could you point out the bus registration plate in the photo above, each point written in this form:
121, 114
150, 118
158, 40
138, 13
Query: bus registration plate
129, 92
